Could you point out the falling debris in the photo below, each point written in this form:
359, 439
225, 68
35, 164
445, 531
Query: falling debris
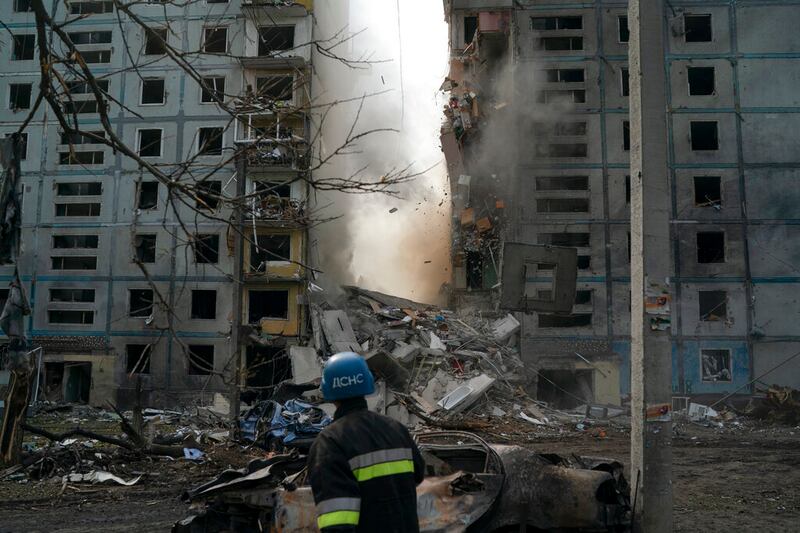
393, 210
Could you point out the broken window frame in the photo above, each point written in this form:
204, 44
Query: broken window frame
556, 23
572, 320
718, 311
561, 183
71, 295
23, 145
562, 205
197, 309
78, 209
706, 375
266, 85
284, 317
210, 140
155, 41
152, 148
271, 254
702, 254
22, 6
142, 194
561, 150
96, 57
75, 241
213, 35
73, 317
210, 86
80, 38
561, 75
144, 92
707, 201
470, 30
24, 46
206, 248
268, 49
623, 30
82, 157
197, 363
209, 193
143, 358
73, 262
690, 69
144, 307
144, 247
18, 100
79, 188
556, 44
626, 135
698, 144
90, 7
624, 82
687, 31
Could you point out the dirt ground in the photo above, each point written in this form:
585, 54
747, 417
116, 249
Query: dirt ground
740, 478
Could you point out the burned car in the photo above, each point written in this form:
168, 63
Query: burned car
469, 486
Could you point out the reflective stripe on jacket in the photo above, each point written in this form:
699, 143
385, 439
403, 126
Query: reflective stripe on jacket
364, 469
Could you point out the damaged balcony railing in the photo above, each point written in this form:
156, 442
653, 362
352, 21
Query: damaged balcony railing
265, 206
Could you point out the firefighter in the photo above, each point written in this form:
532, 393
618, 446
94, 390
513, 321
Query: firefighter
364, 467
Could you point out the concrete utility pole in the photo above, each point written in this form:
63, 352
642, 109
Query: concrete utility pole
651, 272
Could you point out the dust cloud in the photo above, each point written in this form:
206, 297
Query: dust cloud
399, 245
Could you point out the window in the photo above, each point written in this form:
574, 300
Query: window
19, 96
79, 138
474, 267
213, 89
70, 317
206, 248
697, 28
705, 135
140, 302
627, 189
575, 96
267, 304
80, 106
575, 320
215, 40
75, 241
78, 210
22, 6
278, 88
96, 56
81, 158
626, 135
564, 75
561, 150
148, 195
701, 80
470, 28
3, 298
707, 191
152, 92
562, 205
710, 247
560, 129
624, 31
91, 188
82, 87
560, 44
208, 194
73, 262
204, 304
713, 305
90, 8
270, 248
137, 358
149, 142
90, 37
579, 240
273, 39
23, 146
145, 248
209, 141
72, 295
24, 46
562, 183
625, 81
155, 41
266, 189
556, 23
201, 359
715, 365
583, 297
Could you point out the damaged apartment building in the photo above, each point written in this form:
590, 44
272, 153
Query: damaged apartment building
232, 277
536, 138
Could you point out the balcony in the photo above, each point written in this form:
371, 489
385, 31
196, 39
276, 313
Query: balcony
290, 212
287, 8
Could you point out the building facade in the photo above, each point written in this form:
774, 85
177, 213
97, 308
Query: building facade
539, 125
129, 286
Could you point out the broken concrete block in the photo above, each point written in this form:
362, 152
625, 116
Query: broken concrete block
698, 412
339, 331
306, 367
384, 365
436, 342
405, 353
466, 395
503, 328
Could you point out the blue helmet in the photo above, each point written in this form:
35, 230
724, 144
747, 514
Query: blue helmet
346, 375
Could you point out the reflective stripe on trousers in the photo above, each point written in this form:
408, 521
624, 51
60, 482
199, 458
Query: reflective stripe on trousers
338, 512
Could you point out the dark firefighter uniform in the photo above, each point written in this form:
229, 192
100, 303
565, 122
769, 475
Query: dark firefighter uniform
364, 469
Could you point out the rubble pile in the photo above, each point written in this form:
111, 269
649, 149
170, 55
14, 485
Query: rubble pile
434, 367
